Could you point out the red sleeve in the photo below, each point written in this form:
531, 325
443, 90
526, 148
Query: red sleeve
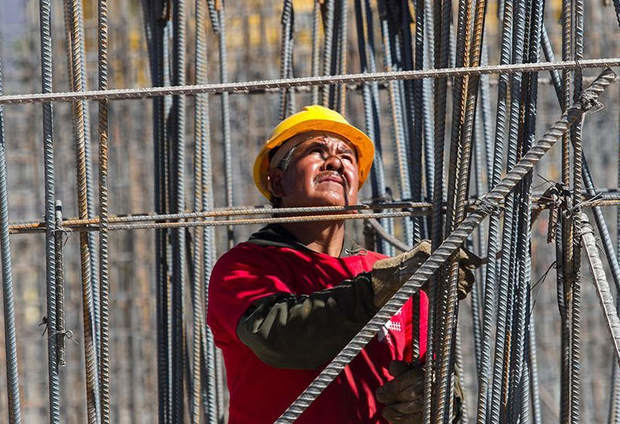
241, 276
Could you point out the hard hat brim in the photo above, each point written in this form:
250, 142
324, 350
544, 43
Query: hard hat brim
362, 143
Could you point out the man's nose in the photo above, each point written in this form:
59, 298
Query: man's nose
333, 163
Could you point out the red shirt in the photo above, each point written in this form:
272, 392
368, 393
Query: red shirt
260, 393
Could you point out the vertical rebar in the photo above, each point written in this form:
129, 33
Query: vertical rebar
50, 215
198, 323
104, 283
328, 19
88, 280
225, 108
286, 56
178, 205
315, 61
12, 376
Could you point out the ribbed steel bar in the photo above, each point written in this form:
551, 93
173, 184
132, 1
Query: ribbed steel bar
600, 281
477, 292
442, 254
472, 50
375, 103
328, 27
416, 138
614, 401
50, 214
441, 21
177, 175
89, 310
249, 86
12, 373
508, 267
550, 57
214, 405
530, 391
371, 110
104, 281
396, 110
342, 55
156, 58
493, 249
567, 228
576, 307
286, 55
198, 324
157, 28
427, 103
413, 208
59, 289
533, 369
315, 61
225, 110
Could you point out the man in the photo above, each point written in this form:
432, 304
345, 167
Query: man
284, 303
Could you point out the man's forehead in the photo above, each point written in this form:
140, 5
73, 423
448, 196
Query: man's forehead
321, 136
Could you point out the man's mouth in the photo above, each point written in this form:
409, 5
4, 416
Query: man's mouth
331, 178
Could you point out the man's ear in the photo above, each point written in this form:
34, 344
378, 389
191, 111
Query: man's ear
274, 182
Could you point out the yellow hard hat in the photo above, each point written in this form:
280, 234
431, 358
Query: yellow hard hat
314, 118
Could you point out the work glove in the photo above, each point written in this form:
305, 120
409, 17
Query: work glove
389, 274
403, 396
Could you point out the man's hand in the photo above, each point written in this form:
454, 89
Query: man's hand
403, 397
468, 262
389, 274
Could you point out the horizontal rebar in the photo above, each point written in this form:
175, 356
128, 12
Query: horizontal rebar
249, 86
413, 209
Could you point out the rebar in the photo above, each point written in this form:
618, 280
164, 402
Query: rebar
8, 297
276, 84
50, 214
104, 283
442, 254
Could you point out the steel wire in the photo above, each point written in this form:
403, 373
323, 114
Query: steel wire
443, 253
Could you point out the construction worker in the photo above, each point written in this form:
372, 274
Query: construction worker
284, 303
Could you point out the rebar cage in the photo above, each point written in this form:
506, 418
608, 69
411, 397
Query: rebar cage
463, 100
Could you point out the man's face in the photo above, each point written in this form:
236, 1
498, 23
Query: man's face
322, 171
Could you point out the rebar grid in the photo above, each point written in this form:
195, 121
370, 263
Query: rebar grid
419, 123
